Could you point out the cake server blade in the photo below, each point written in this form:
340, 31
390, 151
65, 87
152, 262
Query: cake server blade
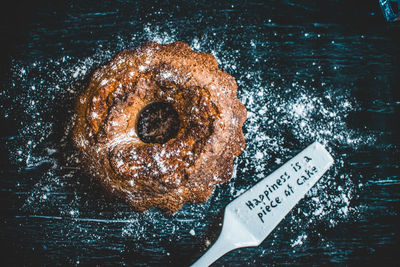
251, 217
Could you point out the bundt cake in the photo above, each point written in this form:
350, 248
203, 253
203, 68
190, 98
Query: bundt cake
159, 126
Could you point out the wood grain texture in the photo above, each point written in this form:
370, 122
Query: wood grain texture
52, 214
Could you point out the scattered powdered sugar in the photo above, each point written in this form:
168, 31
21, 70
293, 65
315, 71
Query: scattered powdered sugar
103, 82
142, 68
284, 116
192, 232
299, 241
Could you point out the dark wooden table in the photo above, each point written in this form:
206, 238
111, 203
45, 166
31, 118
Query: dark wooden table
306, 70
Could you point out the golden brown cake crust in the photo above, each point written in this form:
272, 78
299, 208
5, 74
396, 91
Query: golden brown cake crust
186, 167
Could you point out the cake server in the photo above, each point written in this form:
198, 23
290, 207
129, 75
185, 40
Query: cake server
251, 217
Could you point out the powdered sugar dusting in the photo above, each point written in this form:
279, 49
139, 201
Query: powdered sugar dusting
283, 117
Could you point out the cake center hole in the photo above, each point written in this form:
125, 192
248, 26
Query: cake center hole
158, 122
